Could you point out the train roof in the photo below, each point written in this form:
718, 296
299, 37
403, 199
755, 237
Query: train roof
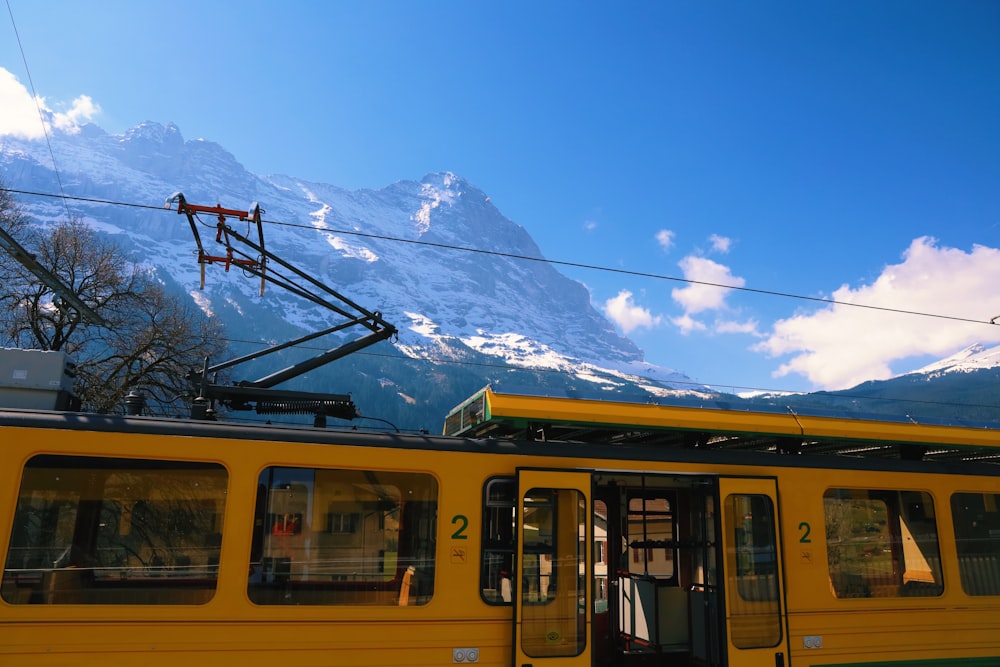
506, 424
488, 414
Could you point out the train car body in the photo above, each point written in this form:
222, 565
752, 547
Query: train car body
681, 536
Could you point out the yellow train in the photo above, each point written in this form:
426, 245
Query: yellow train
536, 532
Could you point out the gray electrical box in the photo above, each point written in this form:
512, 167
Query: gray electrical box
37, 380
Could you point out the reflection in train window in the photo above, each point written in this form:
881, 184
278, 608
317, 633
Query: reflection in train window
752, 562
882, 543
977, 539
343, 537
498, 541
91, 530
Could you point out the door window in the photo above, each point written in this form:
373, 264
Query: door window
553, 583
752, 572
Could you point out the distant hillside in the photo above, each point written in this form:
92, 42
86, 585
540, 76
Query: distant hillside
960, 397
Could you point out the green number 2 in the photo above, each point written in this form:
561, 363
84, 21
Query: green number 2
463, 523
806, 529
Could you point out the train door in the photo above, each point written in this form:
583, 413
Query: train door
756, 633
656, 598
554, 564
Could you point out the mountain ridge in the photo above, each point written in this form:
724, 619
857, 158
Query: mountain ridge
972, 358
469, 290
403, 250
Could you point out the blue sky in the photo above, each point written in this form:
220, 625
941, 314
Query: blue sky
831, 149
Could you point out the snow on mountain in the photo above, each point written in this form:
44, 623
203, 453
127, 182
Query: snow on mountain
390, 250
973, 358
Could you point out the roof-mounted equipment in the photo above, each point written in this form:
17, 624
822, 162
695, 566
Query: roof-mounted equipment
254, 259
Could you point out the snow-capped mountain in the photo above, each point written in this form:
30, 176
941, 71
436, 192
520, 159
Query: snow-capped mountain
959, 389
976, 357
483, 317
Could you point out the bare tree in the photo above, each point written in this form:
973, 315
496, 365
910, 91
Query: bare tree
15, 223
150, 339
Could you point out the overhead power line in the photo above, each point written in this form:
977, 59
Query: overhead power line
560, 263
693, 385
555, 262
38, 107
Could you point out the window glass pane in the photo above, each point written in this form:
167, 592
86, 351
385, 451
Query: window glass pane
977, 538
538, 584
93, 530
554, 599
497, 541
600, 557
882, 543
651, 544
343, 537
755, 614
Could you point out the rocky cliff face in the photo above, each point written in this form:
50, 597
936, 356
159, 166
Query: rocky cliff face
434, 256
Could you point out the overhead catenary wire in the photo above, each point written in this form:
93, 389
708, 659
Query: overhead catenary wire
64, 198
38, 107
648, 275
11, 245
502, 367
92, 200
555, 262
693, 384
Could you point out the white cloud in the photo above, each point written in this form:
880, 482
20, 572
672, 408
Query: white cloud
687, 324
627, 314
720, 244
83, 111
732, 326
589, 225
665, 238
841, 346
20, 115
699, 296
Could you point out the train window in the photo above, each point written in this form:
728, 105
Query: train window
540, 582
497, 540
91, 530
343, 537
752, 565
601, 556
977, 538
882, 543
651, 545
